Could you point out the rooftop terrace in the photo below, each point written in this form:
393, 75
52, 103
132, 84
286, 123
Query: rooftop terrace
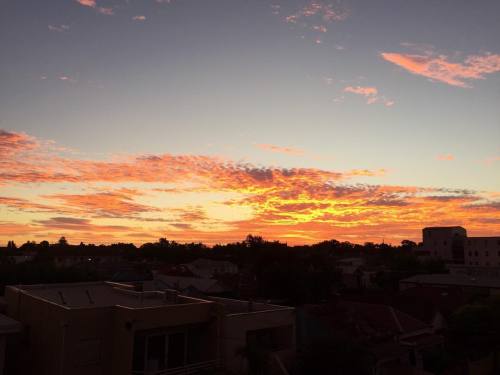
103, 294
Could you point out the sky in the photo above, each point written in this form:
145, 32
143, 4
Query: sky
207, 120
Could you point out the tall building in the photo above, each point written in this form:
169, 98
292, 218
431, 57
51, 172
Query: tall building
445, 242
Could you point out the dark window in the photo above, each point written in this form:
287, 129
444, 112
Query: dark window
445, 243
486, 253
475, 253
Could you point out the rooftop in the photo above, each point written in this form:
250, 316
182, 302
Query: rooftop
454, 279
233, 306
102, 294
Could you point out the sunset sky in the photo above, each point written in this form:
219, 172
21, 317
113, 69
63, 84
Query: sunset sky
207, 120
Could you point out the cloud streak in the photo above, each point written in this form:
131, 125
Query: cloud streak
439, 67
281, 150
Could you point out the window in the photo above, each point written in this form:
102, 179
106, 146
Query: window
470, 253
486, 253
160, 351
475, 253
445, 243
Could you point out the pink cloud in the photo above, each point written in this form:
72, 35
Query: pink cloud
139, 18
371, 95
440, 68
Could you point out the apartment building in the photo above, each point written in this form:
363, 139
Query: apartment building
109, 328
445, 242
482, 251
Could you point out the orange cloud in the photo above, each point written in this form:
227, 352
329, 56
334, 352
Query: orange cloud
232, 199
439, 68
87, 3
281, 150
119, 203
446, 157
12, 143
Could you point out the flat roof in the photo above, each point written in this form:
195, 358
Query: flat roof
454, 279
102, 294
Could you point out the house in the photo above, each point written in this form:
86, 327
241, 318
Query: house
207, 268
354, 273
394, 338
434, 307
110, 328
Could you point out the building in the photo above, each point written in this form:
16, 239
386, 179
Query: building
482, 251
208, 268
394, 339
470, 285
8, 327
445, 242
248, 326
355, 274
109, 328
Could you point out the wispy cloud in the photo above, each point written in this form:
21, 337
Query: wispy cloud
326, 12
108, 11
67, 79
139, 18
370, 93
280, 149
58, 28
439, 67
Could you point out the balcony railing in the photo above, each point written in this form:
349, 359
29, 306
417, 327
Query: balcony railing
193, 368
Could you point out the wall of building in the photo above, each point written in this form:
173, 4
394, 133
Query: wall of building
96, 340
235, 329
445, 242
482, 251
